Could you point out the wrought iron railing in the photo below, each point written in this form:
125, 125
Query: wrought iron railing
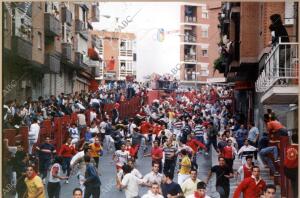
281, 67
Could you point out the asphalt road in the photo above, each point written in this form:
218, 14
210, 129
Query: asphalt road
108, 172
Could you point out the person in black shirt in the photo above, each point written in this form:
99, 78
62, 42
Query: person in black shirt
46, 151
169, 187
223, 174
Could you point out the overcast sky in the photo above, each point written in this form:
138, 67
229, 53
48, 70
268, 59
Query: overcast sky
152, 55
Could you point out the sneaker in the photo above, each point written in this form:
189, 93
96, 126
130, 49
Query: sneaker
278, 160
206, 153
67, 181
276, 173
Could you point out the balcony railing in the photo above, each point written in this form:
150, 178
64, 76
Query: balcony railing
189, 38
81, 28
190, 58
53, 63
66, 16
66, 49
22, 47
52, 25
80, 60
190, 19
281, 67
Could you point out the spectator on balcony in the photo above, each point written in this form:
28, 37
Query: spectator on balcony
291, 164
265, 150
278, 31
33, 134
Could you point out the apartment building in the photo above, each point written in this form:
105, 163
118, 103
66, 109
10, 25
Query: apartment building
118, 53
45, 48
198, 47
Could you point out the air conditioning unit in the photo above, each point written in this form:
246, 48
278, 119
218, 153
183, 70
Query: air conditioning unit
289, 21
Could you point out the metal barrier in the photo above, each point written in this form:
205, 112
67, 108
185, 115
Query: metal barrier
57, 129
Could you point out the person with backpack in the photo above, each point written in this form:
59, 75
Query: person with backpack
92, 181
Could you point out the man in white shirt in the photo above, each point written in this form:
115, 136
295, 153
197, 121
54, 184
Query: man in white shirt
189, 186
154, 176
130, 183
246, 150
200, 192
154, 192
33, 134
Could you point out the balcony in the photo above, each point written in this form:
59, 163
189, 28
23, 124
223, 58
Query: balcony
81, 28
95, 13
190, 15
190, 19
52, 62
190, 58
278, 81
66, 49
22, 47
66, 16
80, 61
52, 25
189, 38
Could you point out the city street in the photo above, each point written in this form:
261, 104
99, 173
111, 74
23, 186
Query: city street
107, 170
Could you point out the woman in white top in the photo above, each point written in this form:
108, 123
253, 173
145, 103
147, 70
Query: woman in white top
55, 177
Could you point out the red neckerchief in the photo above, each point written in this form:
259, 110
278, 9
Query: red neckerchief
196, 194
33, 175
97, 145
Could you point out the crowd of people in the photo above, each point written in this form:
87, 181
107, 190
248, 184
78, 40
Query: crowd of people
176, 130
17, 113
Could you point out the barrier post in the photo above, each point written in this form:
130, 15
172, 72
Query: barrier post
284, 141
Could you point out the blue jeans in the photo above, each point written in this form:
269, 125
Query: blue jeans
66, 165
44, 164
212, 141
266, 159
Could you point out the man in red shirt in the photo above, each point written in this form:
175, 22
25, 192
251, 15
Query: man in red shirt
67, 151
291, 163
195, 145
145, 128
252, 187
245, 170
229, 152
156, 154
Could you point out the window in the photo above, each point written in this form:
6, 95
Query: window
204, 14
204, 33
204, 72
39, 43
204, 52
